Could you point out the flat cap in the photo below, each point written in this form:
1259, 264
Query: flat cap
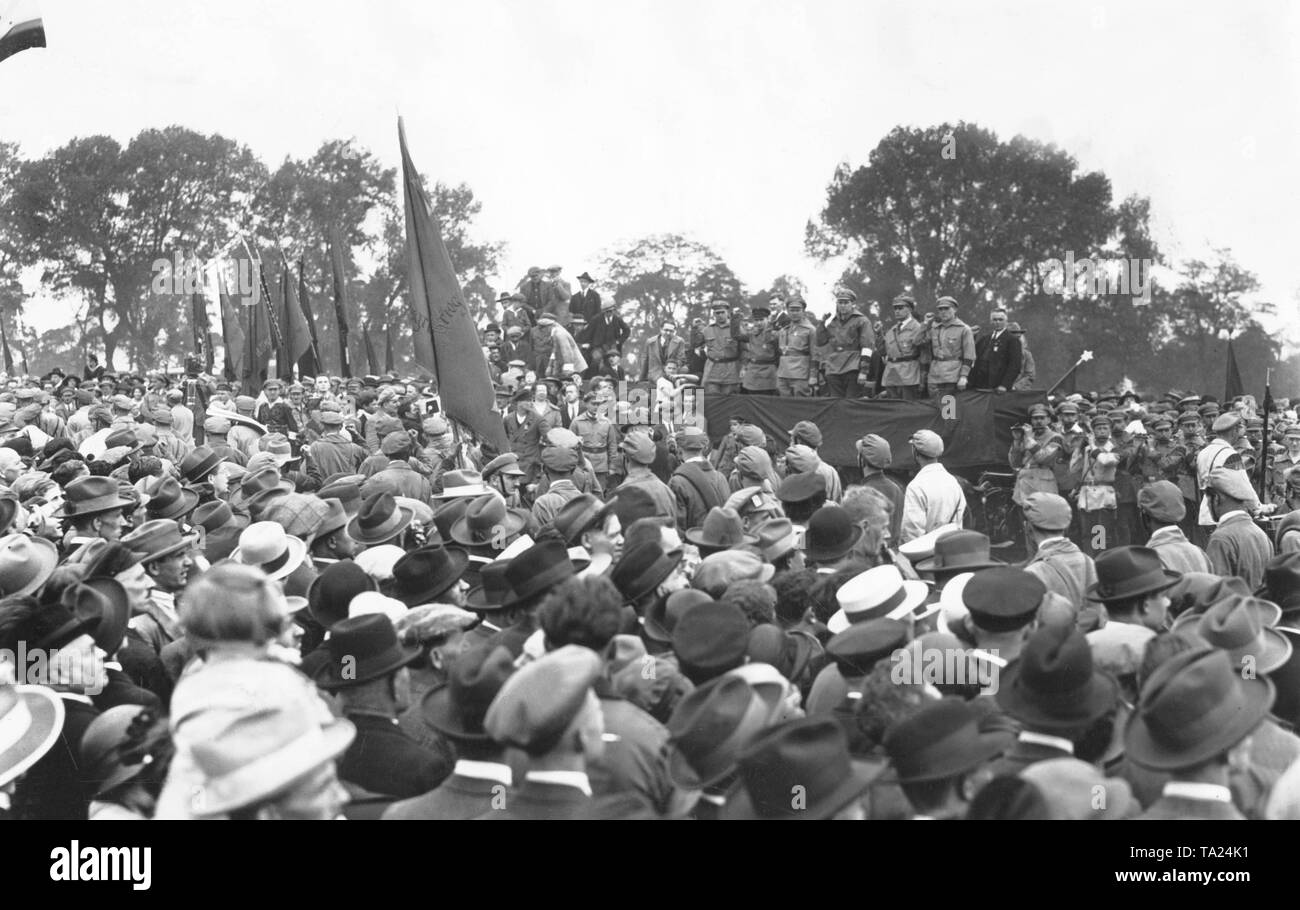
875, 452
538, 702
216, 425
806, 431
927, 443
800, 487
395, 442
1163, 501
559, 458
1047, 511
639, 447
692, 439
712, 636
1225, 422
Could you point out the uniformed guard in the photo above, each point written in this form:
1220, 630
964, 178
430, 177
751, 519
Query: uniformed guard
721, 342
952, 349
1284, 462
795, 375
846, 356
597, 436
1034, 452
760, 353
1094, 464
906, 353
1184, 468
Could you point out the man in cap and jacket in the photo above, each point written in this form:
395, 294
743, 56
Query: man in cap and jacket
599, 437
933, 497
696, 485
1221, 453
721, 341
1163, 509
952, 349
558, 465
848, 348
167, 556
639, 453
1033, 454
761, 353
905, 354
550, 712
215, 430
1094, 463
1237, 546
1057, 562
334, 452
797, 342
874, 456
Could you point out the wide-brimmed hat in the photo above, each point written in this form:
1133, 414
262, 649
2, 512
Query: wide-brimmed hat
919, 548
32, 718
380, 518
1053, 686
92, 494
346, 488
722, 530
423, 575
487, 522
457, 484
1282, 581
1127, 572
199, 463
536, 570
362, 649
108, 759
831, 534
26, 563
960, 551
1195, 706
266, 545
1238, 626
708, 729
642, 569
262, 752
579, 514
105, 601
877, 592
168, 499
492, 591
941, 740
809, 756
775, 538
457, 707
662, 615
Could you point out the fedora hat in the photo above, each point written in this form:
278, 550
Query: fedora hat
462, 483
537, 570
380, 518
199, 463
492, 591
32, 718
642, 569
775, 538
808, 756
266, 545
457, 707
26, 563
362, 649
168, 499
1195, 706
709, 727
258, 481
722, 530
579, 514
1266, 612
1127, 572
487, 523
830, 535
662, 615
1053, 686
262, 752
106, 602
346, 488
330, 592
1281, 581
877, 592
711, 636
960, 551
1237, 626
92, 494
941, 740
422, 576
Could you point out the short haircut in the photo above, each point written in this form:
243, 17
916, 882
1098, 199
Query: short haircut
793, 595
230, 603
644, 530
755, 599
582, 611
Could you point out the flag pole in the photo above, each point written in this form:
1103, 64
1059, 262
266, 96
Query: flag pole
1083, 358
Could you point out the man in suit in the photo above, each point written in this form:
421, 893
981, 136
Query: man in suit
549, 710
997, 356
571, 406
586, 302
481, 780
606, 332
666, 347
524, 429
382, 763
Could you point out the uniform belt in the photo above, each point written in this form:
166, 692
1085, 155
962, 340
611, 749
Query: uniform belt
1098, 483
945, 359
758, 362
587, 448
723, 359
903, 359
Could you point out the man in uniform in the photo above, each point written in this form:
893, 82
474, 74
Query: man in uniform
846, 357
795, 374
759, 357
906, 355
721, 342
1284, 462
952, 349
598, 436
1181, 462
1033, 455
1094, 464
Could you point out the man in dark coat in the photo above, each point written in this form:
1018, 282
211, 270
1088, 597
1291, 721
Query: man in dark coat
997, 356
586, 302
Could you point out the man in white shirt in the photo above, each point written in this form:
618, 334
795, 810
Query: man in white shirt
1220, 452
934, 497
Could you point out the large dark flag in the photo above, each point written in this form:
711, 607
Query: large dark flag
232, 334
20, 27
317, 363
247, 290
297, 336
388, 349
340, 299
445, 339
371, 359
1232, 387
4, 338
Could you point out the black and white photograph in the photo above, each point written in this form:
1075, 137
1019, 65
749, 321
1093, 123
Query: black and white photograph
718, 410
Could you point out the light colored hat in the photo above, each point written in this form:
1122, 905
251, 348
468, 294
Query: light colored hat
538, 702
266, 545
927, 443
877, 592
368, 602
919, 548
378, 562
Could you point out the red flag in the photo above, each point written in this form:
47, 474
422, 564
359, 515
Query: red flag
340, 299
231, 332
445, 338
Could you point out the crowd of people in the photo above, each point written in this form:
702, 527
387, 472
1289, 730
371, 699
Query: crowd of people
323, 601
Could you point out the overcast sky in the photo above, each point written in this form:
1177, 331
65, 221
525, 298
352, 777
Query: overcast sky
582, 124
